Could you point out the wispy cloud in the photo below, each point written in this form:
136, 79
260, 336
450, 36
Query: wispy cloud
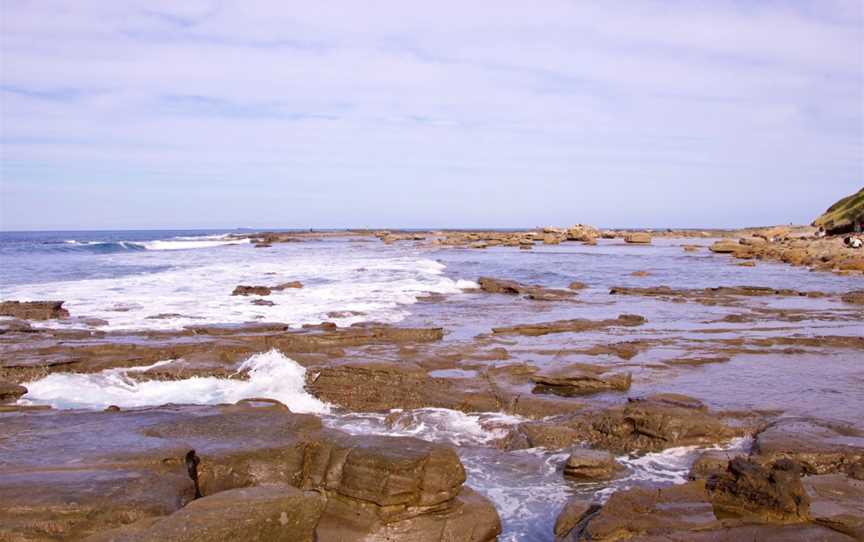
674, 112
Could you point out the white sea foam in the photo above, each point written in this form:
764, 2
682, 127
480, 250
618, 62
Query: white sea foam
270, 374
186, 243
432, 424
343, 285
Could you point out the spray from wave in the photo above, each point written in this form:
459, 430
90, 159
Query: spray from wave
269, 375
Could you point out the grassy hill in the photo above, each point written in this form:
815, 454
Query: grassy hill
841, 217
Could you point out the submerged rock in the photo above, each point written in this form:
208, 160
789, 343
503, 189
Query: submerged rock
570, 326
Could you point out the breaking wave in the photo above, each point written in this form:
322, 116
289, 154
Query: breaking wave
269, 375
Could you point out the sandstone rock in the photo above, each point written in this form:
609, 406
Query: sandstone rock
856, 297
273, 512
685, 513
638, 238
576, 285
371, 387
585, 234
712, 462
748, 489
251, 290
572, 514
837, 501
726, 247
820, 447
548, 435
9, 393
570, 326
33, 310
510, 287
135, 468
588, 464
580, 379
651, 426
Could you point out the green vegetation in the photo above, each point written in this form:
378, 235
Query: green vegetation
841, 217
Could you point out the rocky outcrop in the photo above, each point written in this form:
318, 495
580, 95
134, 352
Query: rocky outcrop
651, 426
843, 216
689, 513
33, 310
150, 465
511, 287
820, 447
570, 326
749, 490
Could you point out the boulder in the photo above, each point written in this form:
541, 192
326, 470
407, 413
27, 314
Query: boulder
588, 464
33, 310
638, 238
9, 393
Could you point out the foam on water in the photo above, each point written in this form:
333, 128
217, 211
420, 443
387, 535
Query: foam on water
270, 375
431, 424
344, 287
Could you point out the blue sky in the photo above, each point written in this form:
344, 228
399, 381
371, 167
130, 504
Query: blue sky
142, 114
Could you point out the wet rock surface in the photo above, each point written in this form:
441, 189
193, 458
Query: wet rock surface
134, 472
33, 310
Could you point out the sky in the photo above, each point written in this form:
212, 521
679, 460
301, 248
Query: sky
504, 113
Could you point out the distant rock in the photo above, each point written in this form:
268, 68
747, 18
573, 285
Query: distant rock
638, 237
251, 290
